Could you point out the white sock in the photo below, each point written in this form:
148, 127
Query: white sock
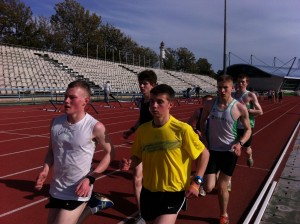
94, 210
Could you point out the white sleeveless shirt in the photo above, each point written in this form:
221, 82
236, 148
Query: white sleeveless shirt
222, 128
73, 150
249, 106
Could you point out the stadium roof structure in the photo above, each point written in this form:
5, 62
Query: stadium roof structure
264, 77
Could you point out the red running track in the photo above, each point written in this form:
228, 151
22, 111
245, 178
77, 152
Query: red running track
23, 145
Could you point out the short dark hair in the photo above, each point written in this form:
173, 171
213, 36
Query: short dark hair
243, 76
224, 78
81, 84
148, 75
163, 89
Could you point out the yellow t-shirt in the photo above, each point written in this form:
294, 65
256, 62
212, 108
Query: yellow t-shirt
167, 153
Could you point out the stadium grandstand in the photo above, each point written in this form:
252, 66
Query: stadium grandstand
32, 71
265, 77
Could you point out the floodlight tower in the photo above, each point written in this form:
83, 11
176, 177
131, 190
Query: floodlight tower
225, 41
162, 54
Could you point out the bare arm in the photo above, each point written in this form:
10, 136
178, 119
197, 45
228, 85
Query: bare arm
243, 115
48, 162
103, 140
99, 133
200, 169
244, 118
257, 110
130, 131
127, 164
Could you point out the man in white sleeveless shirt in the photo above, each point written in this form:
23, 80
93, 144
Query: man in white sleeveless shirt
223, 142
72, 144
249, 99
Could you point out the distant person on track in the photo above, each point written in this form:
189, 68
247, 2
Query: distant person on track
147, 80
166, 146
222, 140
73, 139
273, 96
197, 91
280, 96
107, 91
249, 99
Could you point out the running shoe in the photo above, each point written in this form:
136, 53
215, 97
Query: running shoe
224, 219
250, 161
99, 202
202, 191
229, 186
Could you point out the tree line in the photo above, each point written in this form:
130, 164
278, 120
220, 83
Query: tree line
74, 30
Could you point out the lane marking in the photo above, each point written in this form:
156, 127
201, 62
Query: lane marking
34, 168
27, 150
122, 222
23, 207
23, 171
44, 199
273, 121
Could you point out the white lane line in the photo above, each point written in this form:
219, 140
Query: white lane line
34, 168
22, 207
28, 150
132, 216
24, 171
273, 121
44, 199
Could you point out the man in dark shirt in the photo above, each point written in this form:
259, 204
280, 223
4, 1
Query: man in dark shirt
147, 80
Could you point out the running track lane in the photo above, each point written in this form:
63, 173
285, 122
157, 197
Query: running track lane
22, 149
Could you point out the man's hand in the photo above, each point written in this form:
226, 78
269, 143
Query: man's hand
125, 164
236, 149
40, 180
83, 188
193, 191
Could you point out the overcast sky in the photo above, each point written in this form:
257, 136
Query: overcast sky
265, 29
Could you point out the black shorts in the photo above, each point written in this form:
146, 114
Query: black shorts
221, 161
63, 204
240, 133
155, 204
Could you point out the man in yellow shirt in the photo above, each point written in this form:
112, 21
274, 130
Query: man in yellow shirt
166, 146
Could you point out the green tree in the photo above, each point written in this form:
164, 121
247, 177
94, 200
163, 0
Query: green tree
16, 25
74, 27
203, 67
170, 59
185, 60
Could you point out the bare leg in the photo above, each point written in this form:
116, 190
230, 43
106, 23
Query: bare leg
61, 216
249, 156
209, 182
223, 194
52, 214
137, 183
249, 152
86, 213
168, 218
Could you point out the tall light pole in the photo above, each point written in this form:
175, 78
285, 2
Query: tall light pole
87, 50
162, 54
225, 41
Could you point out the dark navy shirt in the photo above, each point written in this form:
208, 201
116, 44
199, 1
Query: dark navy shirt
145, 114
